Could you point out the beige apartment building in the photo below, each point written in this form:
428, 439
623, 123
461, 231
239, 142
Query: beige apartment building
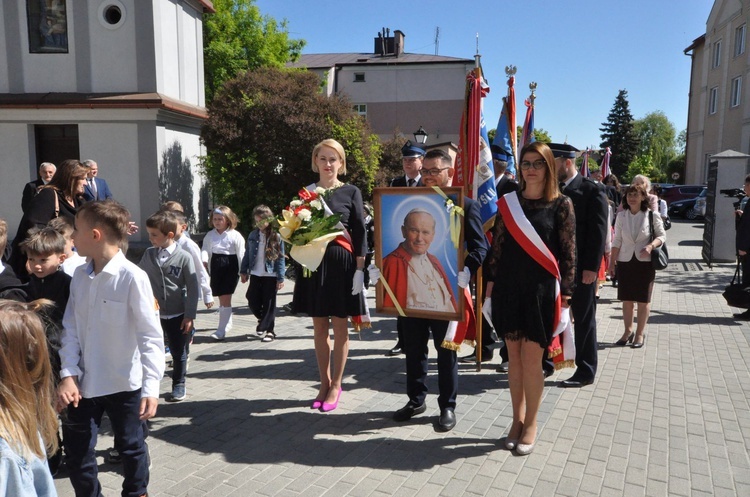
394, 89
719, 108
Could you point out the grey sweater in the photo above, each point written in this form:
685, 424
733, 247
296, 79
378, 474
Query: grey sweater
175, 283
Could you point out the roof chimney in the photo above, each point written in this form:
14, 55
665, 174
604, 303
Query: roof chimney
385, 44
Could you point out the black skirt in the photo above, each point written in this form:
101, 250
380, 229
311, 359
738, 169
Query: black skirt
225, 271
328, 291
635, 280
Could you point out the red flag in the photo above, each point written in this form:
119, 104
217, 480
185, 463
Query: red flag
605, 162
468, 143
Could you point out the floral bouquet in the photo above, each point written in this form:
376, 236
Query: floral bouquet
309, 226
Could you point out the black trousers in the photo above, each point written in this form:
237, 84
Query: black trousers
583, 307
416, 334
261, 299
178, 346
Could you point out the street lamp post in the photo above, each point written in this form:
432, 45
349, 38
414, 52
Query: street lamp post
420, 136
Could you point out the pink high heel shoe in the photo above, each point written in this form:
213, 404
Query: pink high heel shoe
316, 404
326, 407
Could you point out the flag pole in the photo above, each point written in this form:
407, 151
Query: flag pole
478, 305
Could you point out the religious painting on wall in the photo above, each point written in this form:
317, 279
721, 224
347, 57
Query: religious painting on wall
48, 26
419, 250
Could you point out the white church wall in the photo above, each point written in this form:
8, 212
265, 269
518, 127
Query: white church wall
15, 167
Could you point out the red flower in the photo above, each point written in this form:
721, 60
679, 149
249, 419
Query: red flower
300, 208
306, 195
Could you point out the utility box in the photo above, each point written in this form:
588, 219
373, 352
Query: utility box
726, 171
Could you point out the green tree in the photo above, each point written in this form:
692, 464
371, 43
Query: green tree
390, 164
237, 37
540, 135
260, 133
618, 134
681, 141
643, 164
656, 137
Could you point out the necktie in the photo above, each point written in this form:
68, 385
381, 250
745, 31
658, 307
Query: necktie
562, 185
92, 185
410, 182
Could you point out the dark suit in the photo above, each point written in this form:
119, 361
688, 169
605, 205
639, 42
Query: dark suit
417, 330
29, 192
401, 181
590, 205
102, 191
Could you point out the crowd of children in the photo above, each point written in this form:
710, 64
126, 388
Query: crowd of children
96, 330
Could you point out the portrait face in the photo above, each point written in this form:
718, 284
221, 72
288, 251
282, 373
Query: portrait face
328, 162
418, 231
436, 173
219, 222
634, 200
159, 239
80, 185
533, 169
44, 265
93, 170
46, 173
411, 165
560, 163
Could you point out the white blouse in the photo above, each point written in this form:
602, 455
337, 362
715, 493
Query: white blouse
633, 233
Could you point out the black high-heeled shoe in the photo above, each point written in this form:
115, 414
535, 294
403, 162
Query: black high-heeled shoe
628, 340
637, 345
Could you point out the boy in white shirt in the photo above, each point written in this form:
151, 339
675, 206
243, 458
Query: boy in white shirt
112, 352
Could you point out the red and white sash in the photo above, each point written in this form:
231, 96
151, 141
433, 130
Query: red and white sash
524, 233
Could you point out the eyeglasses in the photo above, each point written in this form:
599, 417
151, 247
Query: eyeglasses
537, 164
434, 172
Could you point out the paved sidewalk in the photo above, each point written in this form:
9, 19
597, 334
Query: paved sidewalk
669, 419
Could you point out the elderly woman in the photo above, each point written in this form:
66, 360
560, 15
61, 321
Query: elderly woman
332, 293
631, 254
522, 287
61, 197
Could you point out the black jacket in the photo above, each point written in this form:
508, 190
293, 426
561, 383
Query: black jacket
401, 181
29, 192
590, 204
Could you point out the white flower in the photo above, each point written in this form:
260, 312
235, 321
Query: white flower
320, 190
304, 215
295, 203
315, 204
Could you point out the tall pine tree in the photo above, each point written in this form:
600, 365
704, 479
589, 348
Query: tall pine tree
618, 133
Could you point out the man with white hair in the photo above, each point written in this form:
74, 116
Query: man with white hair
96, 188
46, 171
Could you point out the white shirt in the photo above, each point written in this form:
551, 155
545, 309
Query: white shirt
227, 243
259, 265
70, 264
112, 339
188, 245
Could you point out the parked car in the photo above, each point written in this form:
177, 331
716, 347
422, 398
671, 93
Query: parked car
700, 204
686, 208
680, 192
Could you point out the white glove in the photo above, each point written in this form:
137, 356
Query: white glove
464, 277
358, 285
374, 273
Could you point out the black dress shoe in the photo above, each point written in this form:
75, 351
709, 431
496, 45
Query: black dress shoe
503, 367
396, 350
447, 419
548, 372
742, 316
408, 411
574, 382
472, 358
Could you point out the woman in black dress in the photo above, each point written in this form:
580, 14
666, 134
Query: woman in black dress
523, 292
61, 197
332, 292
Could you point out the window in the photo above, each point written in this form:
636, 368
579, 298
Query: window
739, 40
717, 54
736, 92
359, 77
713, 96
360, 109
47, 26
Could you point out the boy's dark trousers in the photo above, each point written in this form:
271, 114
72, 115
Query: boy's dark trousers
261, 299
178, 347
80, 432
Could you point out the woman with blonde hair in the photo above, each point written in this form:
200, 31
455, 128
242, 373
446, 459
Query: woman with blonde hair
28, 422
332, 293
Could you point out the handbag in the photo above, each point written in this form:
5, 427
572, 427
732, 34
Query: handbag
736, 294
667, 223
659, 255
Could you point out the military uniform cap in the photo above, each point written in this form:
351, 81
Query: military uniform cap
498, 153
410, 150
563, 150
